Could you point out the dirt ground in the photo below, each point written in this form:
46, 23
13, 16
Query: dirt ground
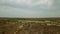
29, 26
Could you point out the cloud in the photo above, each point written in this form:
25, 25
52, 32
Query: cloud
29, 8
29, 3
7, 11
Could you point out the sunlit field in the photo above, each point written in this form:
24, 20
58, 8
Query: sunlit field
29, 25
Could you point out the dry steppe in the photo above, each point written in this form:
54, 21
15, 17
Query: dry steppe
29, 25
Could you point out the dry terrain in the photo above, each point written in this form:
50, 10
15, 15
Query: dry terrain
29, 25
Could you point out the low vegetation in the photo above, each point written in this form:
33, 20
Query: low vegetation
29, 25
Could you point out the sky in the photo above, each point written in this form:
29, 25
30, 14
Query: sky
30, 8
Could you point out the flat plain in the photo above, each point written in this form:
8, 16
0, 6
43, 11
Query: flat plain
29, 25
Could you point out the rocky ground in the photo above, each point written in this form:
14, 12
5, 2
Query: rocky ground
29, 25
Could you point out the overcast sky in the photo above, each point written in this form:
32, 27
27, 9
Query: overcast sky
30, 8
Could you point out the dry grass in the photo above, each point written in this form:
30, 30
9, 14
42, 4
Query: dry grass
30, 26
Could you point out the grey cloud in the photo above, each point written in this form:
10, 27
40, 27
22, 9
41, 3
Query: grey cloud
10, 9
